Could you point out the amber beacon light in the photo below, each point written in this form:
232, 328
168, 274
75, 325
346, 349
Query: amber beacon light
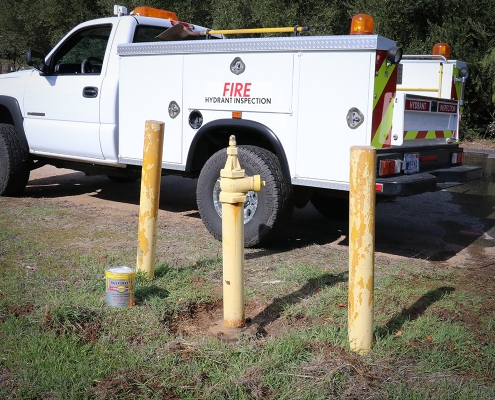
154, 13
442, 49
362, 24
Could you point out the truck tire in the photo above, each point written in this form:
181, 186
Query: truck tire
331, 207
264, 212
14, 162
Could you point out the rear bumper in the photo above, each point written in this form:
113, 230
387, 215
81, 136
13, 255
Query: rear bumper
408, 185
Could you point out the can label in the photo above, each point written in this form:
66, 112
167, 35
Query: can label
120, 287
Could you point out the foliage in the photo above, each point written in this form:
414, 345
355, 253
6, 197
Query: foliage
487, 70
39, 24
415, 24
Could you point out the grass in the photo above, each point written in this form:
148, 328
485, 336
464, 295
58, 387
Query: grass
59, 340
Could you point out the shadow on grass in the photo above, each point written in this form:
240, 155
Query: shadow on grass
146, 292
161, 270
412, 313
274, 310
146, 289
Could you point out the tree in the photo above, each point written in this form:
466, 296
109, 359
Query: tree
40, 24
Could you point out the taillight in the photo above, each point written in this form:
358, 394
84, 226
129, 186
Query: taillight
427, 158
389, 167
458, 157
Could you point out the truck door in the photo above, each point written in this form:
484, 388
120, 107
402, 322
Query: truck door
62, 109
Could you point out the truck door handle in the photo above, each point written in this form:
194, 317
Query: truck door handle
90, 91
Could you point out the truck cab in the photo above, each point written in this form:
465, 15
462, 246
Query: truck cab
70, 104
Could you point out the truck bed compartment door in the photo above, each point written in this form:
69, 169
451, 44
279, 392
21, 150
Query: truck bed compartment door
332, 84
149, 86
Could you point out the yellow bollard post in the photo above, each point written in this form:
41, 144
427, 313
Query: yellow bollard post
234, 185
150, 196
361, 248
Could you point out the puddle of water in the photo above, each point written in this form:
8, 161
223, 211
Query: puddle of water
486, 185
481, 192
456, 224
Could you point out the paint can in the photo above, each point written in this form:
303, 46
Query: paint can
120, 286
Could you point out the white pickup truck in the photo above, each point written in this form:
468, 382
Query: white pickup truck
296, 105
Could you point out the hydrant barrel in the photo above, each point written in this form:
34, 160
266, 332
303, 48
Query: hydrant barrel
233, 264
234, 185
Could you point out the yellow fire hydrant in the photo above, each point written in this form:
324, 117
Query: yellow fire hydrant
234, 187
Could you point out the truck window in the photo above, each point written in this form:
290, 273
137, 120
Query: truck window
83, 52
146, 33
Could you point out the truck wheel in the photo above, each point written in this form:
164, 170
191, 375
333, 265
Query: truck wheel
264, 212
331, 207
14, 163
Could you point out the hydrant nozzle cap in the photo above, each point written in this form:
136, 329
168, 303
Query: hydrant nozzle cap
257, 183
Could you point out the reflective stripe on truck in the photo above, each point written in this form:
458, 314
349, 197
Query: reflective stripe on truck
383, 101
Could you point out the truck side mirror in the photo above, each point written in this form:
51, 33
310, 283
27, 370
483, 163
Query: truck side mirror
36, 60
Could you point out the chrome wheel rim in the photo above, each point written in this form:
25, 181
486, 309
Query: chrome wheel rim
250, 205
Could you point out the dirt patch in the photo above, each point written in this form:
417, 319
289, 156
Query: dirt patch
20, 311
79, 321
252, 381
484, 144
198, 318
5, 379
131, 384
480, 282
365, 379
194, 321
